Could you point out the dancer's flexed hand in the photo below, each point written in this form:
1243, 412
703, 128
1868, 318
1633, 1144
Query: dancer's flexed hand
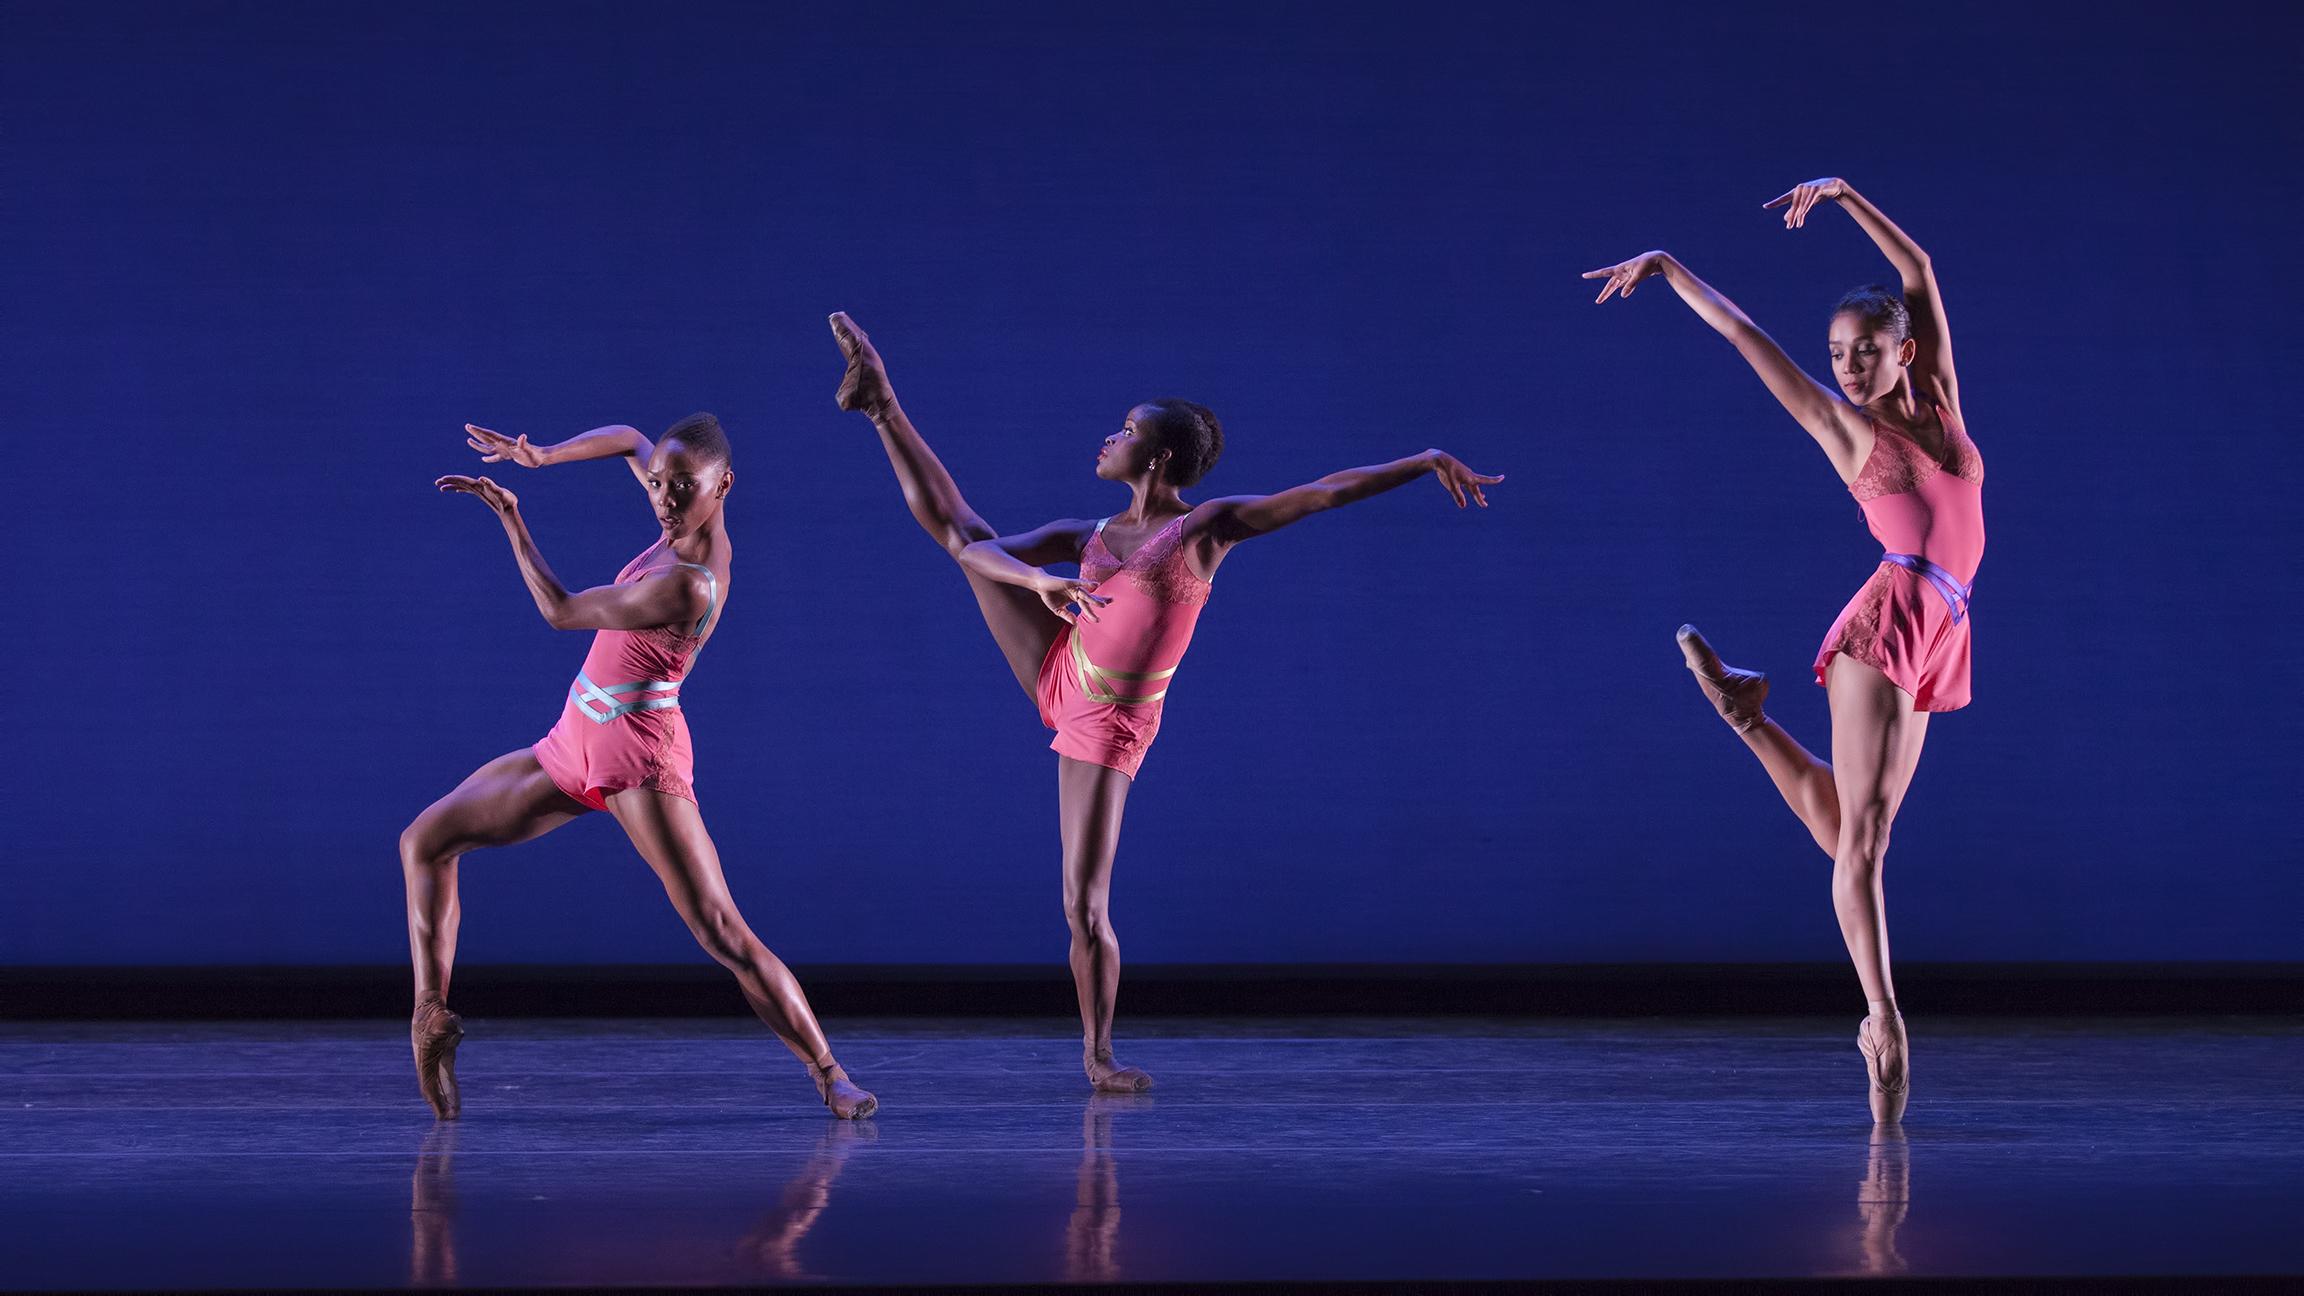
495, 447
1624, 274
1797, 200
865, 386
1459, 481
494, 496
1063, 595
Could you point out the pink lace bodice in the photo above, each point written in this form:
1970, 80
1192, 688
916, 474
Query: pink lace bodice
1915, 504
1898, 463
1158, 568
1156, 600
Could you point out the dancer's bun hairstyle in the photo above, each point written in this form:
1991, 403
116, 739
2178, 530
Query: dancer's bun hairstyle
1190, 434
1880, 307
703, 436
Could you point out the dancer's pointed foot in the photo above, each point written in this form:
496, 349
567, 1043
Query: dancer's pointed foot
1108, 1076
434, 1032
1886, 1059
842, 1095
1738, 695
865, 385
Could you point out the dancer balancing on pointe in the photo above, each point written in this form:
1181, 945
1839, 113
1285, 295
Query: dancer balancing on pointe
1097, 653
621, 744
1899, 650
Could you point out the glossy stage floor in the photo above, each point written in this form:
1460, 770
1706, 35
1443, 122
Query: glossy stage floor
1312, 1152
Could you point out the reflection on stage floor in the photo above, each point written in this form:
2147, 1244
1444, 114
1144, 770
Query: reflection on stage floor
693, 1153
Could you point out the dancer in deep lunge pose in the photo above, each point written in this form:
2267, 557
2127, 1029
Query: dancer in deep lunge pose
1096, 652
1899, 650
621, 744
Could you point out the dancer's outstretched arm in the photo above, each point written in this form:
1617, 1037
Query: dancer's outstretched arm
1018, 559
667, 598
599, 443
1932, 361
1818, 409
1222, 523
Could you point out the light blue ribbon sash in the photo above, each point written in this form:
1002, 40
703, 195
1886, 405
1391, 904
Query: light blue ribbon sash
603, 703
1956, 595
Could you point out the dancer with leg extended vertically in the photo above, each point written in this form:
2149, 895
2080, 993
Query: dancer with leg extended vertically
1096, 652
621, 744
1899, 650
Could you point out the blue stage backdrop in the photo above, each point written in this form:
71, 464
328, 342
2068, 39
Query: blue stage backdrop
263, 259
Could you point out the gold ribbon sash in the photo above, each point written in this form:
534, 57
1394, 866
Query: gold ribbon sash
1099, 683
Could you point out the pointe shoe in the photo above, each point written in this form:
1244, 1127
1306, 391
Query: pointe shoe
433, 1033
865, 385
1738, 695
842, 1095
1887, 1061
1108, 1076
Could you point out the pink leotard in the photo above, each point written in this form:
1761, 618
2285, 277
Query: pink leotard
1103, 682
1910, 621
622, 727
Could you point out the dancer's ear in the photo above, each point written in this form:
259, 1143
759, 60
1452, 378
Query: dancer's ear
1906, 350
727, 480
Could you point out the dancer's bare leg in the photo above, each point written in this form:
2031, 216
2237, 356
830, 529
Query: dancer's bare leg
510, 799
1803, 781
1092, 796
670, 835
1020, 623
1091, 799
1876, 740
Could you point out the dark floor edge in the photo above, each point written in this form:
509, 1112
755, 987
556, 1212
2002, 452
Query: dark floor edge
1526, 990
2054, 1286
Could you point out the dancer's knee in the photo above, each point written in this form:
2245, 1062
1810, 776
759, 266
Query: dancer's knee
1864, 822
424, 846
1090, 920
1863, 837
722, 933
963, 531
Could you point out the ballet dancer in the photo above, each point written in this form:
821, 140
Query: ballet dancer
621, 744
1097, 653
1899, 650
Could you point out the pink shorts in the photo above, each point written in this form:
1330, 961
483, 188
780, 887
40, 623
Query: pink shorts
1114, 735
1899, 625
591, 761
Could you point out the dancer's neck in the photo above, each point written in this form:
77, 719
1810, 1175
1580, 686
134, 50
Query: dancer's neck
1900, 401
1149, 500
696, 546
